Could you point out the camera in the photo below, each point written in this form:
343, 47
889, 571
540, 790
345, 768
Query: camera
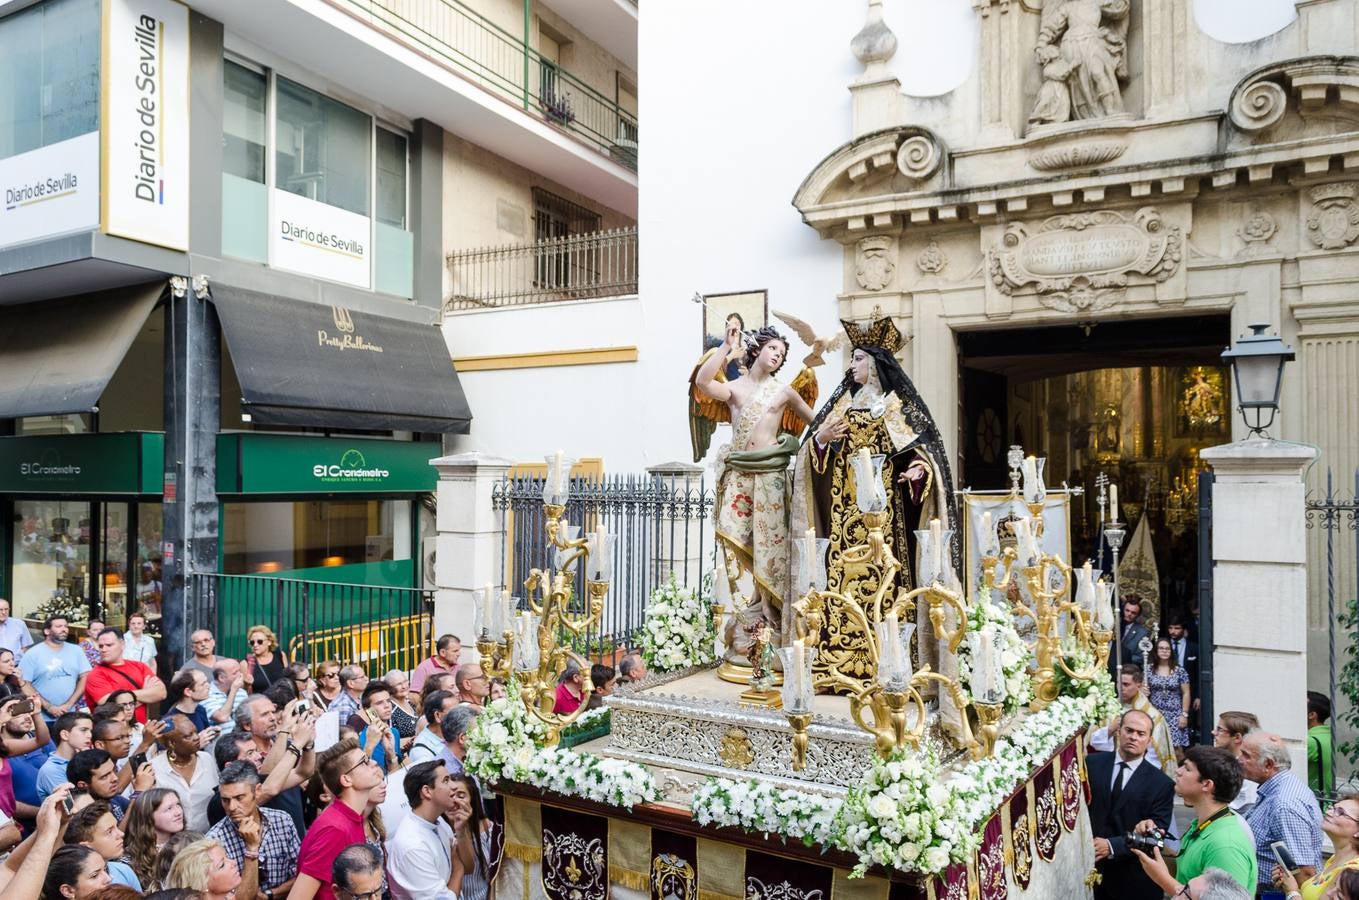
1148, 843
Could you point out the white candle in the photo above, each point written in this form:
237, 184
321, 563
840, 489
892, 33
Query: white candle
937, 545
890, 655
986, 661
799, 668
506, 611
486, 601
986, 532
1028, 469
1113, 503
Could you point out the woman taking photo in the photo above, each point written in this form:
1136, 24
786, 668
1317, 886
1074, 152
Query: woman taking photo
265, 663
75, 873
1168, 691
1341, 824
474, 841
152, 819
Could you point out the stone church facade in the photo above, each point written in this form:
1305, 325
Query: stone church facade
1107, 163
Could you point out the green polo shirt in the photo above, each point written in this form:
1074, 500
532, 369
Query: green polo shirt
1319, 759
1221, 844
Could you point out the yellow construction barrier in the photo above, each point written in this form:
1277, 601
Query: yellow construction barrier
379, 647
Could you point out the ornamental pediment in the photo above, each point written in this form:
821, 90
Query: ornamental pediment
893, 160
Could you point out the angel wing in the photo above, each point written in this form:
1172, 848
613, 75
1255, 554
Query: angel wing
804, 385
800, 328
705, 413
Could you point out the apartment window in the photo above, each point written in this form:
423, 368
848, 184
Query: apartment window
391, 178
323, 150
243, 122
49, 74
560, 264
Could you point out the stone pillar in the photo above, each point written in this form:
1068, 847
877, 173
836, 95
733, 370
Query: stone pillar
1259, 639
686, 539
470, 543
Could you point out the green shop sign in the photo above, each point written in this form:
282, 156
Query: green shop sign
285, 465
127, 464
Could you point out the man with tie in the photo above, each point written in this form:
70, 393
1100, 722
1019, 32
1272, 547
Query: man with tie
1131, 634
1125, 789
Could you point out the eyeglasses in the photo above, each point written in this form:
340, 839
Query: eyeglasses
255, 641
366, 761
364, 895
1337, 811
329, 675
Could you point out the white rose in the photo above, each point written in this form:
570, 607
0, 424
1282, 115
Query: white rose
882, 807
936, 858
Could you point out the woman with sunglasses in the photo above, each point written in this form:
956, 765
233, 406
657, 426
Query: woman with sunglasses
266, 663
1341, 824
327, 683
12, 684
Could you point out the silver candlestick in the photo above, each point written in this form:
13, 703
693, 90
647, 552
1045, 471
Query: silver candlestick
1114, 532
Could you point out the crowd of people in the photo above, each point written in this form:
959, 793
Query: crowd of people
260, 778
1257, 829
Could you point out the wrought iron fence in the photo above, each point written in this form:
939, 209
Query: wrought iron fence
456, 34
379, 628
662, 526
1337, 516
578, 267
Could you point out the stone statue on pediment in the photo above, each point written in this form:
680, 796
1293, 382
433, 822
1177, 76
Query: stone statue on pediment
1082, 50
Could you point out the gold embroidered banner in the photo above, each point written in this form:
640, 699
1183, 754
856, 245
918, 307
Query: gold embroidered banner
523, 829
780, 878
629, 854
991, 883
1046, 828
674, 866
1071, 788
721, 871
575, 854
1021, 835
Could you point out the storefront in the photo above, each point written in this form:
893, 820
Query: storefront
82, 525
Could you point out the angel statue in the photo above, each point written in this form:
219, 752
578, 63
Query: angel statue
751, 504
875, 406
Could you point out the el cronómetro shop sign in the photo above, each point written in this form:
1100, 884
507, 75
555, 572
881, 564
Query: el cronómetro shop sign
124, 465
284, 465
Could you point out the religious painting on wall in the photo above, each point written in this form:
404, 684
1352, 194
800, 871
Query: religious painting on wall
1200, 401
748, 310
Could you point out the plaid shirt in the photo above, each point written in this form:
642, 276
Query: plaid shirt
345, 706
278, 848
1287, 811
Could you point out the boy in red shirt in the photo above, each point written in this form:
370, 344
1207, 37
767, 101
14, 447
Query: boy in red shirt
350, 775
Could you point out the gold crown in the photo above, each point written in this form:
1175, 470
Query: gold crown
881, 333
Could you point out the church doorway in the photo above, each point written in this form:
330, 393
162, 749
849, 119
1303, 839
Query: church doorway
1132, 402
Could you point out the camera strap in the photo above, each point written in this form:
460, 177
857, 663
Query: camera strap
1224, 811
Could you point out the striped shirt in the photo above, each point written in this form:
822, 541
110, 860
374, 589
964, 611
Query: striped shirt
1286, 810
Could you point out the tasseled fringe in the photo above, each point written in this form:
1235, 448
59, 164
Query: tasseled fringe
633, 881
523, 852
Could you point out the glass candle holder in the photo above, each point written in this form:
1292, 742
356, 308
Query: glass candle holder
557, 484
600, 566
894, 653
566, 534
809, 565
797, 661
870, 495
526, 656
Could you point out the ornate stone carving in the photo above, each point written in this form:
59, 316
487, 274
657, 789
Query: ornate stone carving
1081, 50
932, 259
1258, 228
1334, 222
918, 157
1077, 156
875, 43
736, 750
1081, 262
875, 261
1258, 106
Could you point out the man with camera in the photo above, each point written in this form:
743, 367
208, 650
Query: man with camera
1126, 789
1207, 781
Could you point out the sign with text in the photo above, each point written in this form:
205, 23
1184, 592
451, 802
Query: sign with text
287, 465
121, 464
146, 121
51, 190
319, 240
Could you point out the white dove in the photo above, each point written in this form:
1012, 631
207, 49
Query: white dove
809, 337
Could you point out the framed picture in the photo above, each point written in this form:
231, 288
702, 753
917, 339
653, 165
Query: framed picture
751, 308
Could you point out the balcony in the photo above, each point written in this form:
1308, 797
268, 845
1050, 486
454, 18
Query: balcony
453, 34
577, 267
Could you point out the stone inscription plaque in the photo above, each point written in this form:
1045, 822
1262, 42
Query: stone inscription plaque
1081, 262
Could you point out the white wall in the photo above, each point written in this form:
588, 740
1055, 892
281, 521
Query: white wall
740, 101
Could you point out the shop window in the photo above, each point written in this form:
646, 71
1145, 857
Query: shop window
394, 244
349, 541
243, 122
391, 178
49, 74
323, 148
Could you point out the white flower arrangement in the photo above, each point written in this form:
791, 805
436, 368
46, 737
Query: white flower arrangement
760, 807
678, 629
1014, 653
504, 744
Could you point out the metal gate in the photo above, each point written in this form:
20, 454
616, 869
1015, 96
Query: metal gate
1336, 516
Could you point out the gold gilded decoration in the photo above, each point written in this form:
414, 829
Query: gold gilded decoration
573, 868
1023, 850
879, 333
673, 878
1203, 401
736, 749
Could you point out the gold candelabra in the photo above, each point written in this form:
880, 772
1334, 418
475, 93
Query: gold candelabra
897, 688
533, 646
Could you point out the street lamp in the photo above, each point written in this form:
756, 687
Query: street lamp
1257, 363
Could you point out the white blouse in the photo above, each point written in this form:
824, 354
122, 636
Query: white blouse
193, 795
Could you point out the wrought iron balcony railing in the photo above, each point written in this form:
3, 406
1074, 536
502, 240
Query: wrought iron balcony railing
462, 38
577, 267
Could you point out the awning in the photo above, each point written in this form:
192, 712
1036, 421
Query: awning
59, 355
306, 364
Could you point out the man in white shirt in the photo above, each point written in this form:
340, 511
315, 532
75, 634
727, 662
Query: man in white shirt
139, 645
14, 635
422, 856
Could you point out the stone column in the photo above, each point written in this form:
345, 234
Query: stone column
470, 542
686, 540
1259, 639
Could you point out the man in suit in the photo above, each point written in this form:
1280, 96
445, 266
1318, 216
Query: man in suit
1126, 789
1131, 634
